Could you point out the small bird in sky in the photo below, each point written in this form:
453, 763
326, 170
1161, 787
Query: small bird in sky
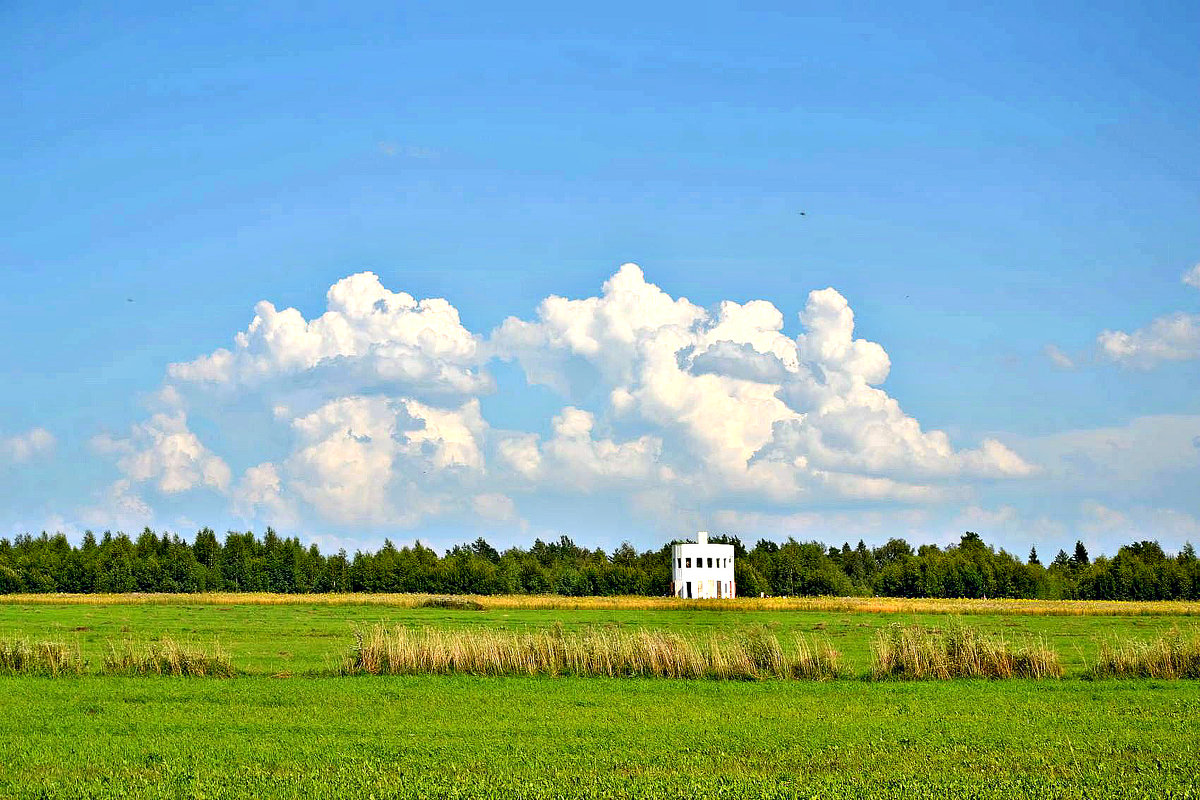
128, 299
804, 213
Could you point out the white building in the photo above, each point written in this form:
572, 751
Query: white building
702, 570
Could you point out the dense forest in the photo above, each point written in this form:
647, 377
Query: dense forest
247, 563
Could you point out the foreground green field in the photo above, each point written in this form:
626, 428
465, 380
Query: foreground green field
299, 635
104, 737
282, 730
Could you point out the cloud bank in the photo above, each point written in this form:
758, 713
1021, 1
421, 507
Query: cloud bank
371, 415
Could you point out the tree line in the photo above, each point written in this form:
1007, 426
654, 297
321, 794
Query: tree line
244, 562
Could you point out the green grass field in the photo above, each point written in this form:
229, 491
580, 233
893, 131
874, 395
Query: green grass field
578, 737
304, 637
431, 736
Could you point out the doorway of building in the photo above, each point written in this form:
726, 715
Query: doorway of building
689, 587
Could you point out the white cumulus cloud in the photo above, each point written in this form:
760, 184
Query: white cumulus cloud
343, 466
24, 447
1058, 357
1140, 522
1171, 337
573, 457
494, 505
1174, 337
738, 406
368, 332
1112, 458
829, 526
370, 414
385, 461
260, 494
164, 452
1192, 277
120, 507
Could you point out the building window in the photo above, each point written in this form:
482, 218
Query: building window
689, 563
710, 563
680, 560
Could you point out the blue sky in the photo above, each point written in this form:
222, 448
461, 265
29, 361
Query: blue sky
1005, 199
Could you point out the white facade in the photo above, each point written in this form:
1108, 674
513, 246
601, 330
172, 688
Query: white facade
702, 570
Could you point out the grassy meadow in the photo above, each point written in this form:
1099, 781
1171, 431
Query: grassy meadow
434, 736
288, 726
300, 634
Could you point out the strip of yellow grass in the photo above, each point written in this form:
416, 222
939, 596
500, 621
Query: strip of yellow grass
887, 605
22, 657
1171, 656
168, 657
595, 652
917, 653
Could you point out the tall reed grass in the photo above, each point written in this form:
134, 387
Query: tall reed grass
22, 657
917, 653
594, 652
1173, 655
168, 657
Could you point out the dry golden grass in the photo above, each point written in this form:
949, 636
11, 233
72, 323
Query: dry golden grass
22, 657
888, 605
917, 653
1171, 656
167, 657
594, 652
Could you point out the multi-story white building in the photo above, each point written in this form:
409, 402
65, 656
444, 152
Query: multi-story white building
702, 570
